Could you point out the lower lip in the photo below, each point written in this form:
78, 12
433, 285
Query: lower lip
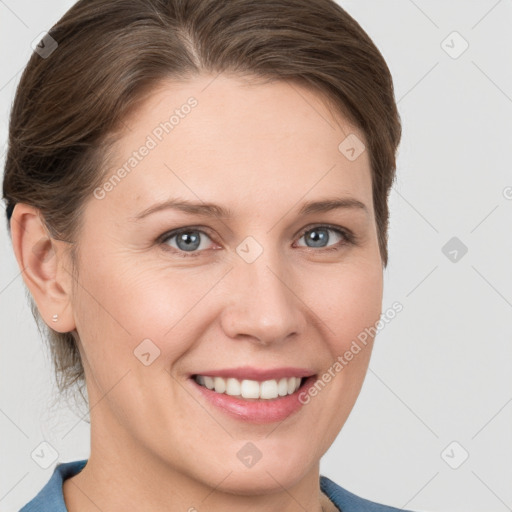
257, 411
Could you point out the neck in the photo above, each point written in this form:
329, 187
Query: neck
122, 475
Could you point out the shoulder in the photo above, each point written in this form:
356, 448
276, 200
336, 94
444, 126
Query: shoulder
50, 498
349, 502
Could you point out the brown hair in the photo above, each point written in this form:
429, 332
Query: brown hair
111, 53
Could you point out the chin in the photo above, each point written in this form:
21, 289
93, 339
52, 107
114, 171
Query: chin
265, 476
260, 481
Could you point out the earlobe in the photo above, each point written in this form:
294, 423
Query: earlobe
41, 259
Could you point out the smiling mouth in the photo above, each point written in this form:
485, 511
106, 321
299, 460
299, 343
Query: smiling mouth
251, 389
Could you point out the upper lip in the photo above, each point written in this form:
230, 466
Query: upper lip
259, 374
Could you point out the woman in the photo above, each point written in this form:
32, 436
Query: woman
197, 193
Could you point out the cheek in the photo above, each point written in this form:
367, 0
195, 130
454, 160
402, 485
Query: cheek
120, 306
348, 308
348, 304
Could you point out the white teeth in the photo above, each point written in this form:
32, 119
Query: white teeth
208, 382
233, 387
282, 387
250, 389
219, 384
291, 385
267, 390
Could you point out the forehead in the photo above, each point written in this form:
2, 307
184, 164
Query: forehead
216, 138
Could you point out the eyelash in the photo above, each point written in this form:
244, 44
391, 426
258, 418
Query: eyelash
349, 238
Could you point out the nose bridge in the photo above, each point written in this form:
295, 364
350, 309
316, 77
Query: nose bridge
264, 305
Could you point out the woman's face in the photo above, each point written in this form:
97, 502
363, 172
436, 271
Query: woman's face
262, 287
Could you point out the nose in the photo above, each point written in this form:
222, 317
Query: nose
264, 304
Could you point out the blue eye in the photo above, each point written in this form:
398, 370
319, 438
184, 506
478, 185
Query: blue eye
187, 240
319, 235
190, 241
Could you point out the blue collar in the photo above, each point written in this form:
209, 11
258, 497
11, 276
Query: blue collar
50, 497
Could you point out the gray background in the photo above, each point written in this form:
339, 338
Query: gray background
440, 371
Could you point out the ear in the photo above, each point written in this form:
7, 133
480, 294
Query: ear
44, 264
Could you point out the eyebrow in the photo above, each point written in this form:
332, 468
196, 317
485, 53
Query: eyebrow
215, 210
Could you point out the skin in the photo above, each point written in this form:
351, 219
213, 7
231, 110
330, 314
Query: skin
261, 150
